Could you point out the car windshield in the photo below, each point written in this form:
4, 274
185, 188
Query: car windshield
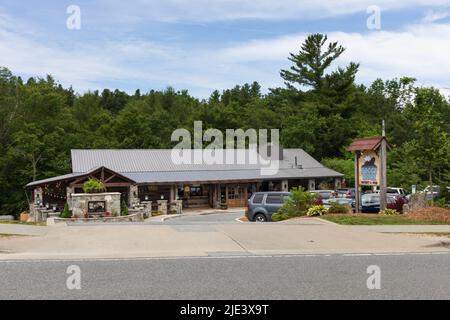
368, 198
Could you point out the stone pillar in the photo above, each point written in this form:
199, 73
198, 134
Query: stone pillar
134, 195
311, 184
285, 185
38, 196
69, 191
337, 183
178, 206
162, 206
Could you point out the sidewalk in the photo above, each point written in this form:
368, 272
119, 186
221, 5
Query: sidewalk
22, 229
160, 240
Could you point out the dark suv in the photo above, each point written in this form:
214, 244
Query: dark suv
262, 205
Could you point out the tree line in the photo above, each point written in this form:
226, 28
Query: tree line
320, 109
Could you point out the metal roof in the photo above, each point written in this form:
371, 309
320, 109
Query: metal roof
366, 144
228, 175
154, 165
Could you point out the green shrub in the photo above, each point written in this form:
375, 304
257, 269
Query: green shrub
66, 214
316, 211
339, 208
123, 209
389, 212
93, 186
296, 205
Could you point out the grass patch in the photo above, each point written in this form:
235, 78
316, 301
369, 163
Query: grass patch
6, 235
378, 220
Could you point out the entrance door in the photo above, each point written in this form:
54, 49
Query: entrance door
237, 195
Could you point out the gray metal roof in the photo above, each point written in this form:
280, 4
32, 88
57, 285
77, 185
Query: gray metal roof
227, 175
154, 165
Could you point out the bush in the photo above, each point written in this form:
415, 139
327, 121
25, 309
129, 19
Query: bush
339, 208
316, 211
296, 205
389, 212
93, 186
66, 214
123, 209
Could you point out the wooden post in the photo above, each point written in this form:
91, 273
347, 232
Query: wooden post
383, 176
357, 193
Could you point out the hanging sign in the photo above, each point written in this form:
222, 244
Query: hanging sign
369, 168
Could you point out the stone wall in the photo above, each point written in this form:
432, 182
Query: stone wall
80, 202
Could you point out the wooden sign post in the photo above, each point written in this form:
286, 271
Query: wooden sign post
370, 166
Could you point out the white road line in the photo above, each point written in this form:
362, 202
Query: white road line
224, 257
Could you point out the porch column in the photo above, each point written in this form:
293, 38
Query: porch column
69, 191
337, 183
311, 184
172, 193
285, 185
38, 196
134, 195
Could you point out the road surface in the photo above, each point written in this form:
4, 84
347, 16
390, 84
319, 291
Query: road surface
403, 276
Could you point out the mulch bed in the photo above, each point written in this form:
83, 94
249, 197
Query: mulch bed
425, 214
430, 214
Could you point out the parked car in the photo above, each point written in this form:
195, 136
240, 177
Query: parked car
262, 205
346, 193
432, 192
370, 202
397, 191
324, 194
343, 201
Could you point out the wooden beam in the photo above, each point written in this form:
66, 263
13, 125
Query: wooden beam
112, 184
110, 178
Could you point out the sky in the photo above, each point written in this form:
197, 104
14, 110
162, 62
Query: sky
204, 45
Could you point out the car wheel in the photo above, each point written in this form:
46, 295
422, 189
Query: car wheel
260, 218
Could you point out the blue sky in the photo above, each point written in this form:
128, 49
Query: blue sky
203, 45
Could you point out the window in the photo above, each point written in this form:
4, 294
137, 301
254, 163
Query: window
236, 192
273, 199
258, 198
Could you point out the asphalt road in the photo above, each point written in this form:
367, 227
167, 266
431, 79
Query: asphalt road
410, 276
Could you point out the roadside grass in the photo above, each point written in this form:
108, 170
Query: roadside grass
6, 235
378, 220
434, 234
24, 223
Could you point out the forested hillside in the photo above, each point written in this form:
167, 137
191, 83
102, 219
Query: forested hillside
321, 109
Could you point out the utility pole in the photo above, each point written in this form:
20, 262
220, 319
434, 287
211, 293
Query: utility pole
357, 191
383, 175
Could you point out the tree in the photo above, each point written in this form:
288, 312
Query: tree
312, 61
430, 143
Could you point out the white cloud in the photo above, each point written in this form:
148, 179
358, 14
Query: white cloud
433, 16
221, 10
419, 51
